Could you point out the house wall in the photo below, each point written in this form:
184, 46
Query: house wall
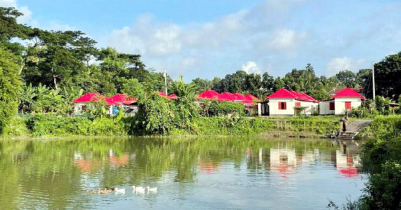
324, 108
78, 107
340, 105
273, 107
311, 106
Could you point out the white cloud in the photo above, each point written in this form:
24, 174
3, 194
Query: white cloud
8, 3
255, 31
286, 39
336, 65
251, 67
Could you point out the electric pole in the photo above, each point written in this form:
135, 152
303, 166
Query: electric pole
165, 79
373, 80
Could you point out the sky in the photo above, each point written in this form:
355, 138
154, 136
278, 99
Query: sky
212, 38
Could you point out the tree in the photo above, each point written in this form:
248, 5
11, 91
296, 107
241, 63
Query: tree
133, 88
267, 83
10, 86
387, 76
201, 85
347, 78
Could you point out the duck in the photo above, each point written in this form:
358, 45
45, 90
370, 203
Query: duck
119, 191
103, 191
153, 190
90, 191
139, 190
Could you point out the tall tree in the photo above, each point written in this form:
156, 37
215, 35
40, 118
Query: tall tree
10, 86
347, 78
387, 76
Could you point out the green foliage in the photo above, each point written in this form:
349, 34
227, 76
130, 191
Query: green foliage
10, 86
222, 108
42, 99
347, 78
387, 74
16, 128
55, 125
370, 108
155, 116
383, 189
133, 88
381, 157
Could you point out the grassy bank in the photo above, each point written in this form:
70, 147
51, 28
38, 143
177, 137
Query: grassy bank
45, 126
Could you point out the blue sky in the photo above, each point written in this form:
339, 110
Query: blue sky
213, 38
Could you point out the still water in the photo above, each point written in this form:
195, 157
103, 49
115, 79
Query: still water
227, 173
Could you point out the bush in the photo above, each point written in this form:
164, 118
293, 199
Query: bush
222, 108
383, 189
54, 125
16, 127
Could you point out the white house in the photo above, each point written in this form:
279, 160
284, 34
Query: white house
284, 102
341, 103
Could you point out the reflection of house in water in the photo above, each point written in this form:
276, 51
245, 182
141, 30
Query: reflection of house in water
347, 164
283, 161
310, 157
209, 167
118, 161
84, 164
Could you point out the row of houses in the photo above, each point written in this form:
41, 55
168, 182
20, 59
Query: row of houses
127, 103
281, 103
285, 103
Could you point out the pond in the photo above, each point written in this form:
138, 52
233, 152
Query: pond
204, 173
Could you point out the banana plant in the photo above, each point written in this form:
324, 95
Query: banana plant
27, 97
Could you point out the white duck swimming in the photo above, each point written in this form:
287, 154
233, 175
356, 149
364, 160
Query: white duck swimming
119, 191
152, 190
139, 190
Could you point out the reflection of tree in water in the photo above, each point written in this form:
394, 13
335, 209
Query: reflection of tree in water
56, 170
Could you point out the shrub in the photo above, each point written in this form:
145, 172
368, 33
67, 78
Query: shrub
221, 108
54, 125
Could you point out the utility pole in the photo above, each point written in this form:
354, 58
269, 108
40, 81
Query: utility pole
373, 80
165, 79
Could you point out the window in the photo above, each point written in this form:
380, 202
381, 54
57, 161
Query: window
332, 105
298, 104
83, 108
282, 105
348, 105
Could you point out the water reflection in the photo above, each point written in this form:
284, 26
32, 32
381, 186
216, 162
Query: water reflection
212, 173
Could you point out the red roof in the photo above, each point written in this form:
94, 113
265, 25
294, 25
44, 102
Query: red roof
309, 97
161, 93
250, 97
348, 93
209, 94
283, 93
91, 97
239, 97
88, 98
122, 98
172, 96
226, 96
